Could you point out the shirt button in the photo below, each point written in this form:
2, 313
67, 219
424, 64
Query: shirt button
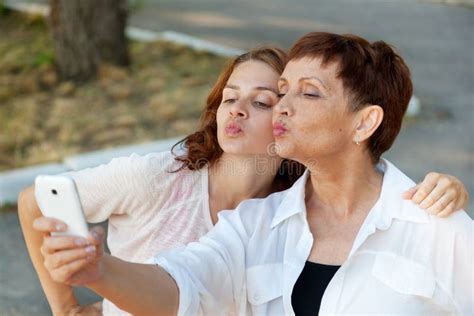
256, 297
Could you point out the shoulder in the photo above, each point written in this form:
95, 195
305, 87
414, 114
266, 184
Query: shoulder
398, 182
441, 227
145, 165
139, 172
432, 239
156, 160
457, 224
413, 226
123, 170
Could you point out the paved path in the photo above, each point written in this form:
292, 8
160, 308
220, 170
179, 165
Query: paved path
20, 291
437, 41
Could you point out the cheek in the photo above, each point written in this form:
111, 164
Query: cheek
319, 123
325, 133
220, 118
264, 125
261, 135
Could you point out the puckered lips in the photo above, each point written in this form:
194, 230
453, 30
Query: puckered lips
279, 129
233, 129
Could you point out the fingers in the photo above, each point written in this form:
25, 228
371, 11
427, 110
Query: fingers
440, 194
442, 204
463, 199
63, 258
447, 210
452, 206
60, 244
57, 243
425, 188
464, 202
432, 189
408, 195
66, 257
65, 273
96, 235
437, 194
49, 225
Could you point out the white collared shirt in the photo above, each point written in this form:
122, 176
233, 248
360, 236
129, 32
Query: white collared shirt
403, 260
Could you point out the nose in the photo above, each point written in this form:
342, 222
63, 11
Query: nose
281, 108
238, 109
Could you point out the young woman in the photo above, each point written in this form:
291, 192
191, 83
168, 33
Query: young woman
159, 202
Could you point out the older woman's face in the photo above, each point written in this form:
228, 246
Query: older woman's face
312, 120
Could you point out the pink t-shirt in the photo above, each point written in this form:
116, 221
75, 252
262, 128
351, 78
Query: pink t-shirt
148, 207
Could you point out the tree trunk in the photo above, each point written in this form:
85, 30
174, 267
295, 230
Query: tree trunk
87, 33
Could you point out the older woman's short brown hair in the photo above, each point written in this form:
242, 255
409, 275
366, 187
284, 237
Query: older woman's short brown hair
371, 73
202, 147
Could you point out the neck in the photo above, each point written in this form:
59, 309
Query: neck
234, 178
342, 186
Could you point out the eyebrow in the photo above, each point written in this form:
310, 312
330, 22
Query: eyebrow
230, 86
314, 78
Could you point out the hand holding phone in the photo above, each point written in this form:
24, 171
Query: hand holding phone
57, 197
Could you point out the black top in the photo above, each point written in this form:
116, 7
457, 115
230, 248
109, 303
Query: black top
310, 286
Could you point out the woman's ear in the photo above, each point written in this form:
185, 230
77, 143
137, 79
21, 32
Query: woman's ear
368, 120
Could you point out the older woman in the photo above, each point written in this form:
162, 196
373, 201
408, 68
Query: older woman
340, 240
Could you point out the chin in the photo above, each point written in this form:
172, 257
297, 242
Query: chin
234, 148
284, 149
241, 149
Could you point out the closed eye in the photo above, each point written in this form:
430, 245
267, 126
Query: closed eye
310, 95
261, 104
229, 101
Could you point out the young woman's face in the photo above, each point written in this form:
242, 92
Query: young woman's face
244, 117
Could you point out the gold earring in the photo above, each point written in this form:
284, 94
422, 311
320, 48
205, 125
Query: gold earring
357, 142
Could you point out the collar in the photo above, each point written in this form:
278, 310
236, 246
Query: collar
390, 204
293, 201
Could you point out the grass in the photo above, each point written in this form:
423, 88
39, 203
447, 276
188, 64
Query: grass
44, 120
8, 207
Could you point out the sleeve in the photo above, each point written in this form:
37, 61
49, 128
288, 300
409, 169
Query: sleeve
455, 260
210, 273
115, 188
463, 270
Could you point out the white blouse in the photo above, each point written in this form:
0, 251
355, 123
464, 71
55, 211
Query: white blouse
403, 260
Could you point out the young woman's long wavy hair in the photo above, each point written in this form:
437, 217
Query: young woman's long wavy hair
202, 147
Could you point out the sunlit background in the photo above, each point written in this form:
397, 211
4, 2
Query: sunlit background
56, 116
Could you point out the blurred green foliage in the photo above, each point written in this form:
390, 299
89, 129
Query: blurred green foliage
43, 119
43, 58
3, 9
7, 207
24, 43
135, 5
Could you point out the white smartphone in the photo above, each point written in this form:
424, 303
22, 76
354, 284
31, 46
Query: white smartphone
57, 197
